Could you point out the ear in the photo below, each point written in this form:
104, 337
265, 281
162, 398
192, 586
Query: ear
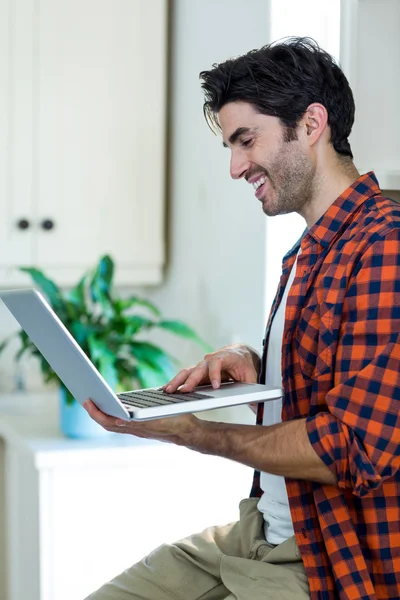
314, 122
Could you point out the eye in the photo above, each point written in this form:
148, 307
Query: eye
247, 143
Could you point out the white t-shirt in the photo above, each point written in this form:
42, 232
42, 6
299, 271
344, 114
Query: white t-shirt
274, 503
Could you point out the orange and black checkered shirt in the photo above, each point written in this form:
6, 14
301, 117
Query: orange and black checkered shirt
341, 371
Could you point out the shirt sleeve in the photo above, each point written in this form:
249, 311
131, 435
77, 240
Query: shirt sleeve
357, 435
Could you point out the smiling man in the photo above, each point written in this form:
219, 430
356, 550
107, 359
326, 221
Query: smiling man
322, 520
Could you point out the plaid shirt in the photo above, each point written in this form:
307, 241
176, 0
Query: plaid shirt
341, 371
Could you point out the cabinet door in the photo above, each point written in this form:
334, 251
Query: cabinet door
16, 139
99, 99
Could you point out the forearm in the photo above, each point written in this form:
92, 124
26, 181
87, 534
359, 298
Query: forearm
282, 449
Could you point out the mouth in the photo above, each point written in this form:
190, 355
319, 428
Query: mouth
259, 186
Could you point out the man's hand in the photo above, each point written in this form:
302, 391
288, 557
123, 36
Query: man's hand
176, 430
237, 362
282, 449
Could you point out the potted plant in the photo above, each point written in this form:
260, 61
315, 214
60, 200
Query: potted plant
109, 329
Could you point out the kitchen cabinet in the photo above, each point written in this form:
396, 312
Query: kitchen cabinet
82, 137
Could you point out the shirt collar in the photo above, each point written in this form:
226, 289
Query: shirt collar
339, 213
344, 207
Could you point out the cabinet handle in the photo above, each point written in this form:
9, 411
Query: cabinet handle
23, 224
47, 224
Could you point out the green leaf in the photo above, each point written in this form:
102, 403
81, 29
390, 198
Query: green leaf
107, 308
68, 396
134, 301
108, 370
5, 342
21, 352
96, 348
183, 330
100, 284
127, 374
77, 294
158, 359
26, 346
105, 273
122, 305
72, 312
50, 289
82, 331
100, 287
149, 376
125, 304
46, 368
135, 323
104, 359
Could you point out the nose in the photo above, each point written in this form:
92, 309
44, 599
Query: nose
239, 164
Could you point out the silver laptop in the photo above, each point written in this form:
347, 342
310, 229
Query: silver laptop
82, 379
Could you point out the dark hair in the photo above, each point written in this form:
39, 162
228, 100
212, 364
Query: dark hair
282, 79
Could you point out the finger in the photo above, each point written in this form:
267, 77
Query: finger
215, 371
90, 407
199, 375
218, 371
97, 415
178, 380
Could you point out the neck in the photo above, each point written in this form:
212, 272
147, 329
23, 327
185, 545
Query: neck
329, 184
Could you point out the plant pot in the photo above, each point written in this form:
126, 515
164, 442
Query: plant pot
75, 422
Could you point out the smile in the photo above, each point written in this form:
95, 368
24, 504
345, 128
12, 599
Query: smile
257, 184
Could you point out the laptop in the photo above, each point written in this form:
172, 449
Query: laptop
83, 380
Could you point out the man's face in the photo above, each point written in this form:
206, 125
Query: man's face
281, 172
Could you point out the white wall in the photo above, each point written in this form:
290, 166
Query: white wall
318, 19
216, 227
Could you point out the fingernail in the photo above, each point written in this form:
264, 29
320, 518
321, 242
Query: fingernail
215, 384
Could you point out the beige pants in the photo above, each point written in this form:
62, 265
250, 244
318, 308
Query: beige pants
233, 562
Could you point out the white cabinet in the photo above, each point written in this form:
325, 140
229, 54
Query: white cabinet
75, 513
82, 137
370, 57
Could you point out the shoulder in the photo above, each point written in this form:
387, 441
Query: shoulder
379, 215
377, 220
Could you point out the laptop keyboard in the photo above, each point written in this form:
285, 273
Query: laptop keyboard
147, 399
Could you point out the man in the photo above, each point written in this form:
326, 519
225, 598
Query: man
323, 517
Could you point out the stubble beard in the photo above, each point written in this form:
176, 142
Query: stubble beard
292, 178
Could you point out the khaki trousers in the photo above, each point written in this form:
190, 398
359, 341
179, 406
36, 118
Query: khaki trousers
233, 562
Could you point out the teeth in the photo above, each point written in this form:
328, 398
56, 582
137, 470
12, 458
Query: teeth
259, 182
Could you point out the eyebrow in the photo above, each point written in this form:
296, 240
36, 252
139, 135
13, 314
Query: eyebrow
236, 134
